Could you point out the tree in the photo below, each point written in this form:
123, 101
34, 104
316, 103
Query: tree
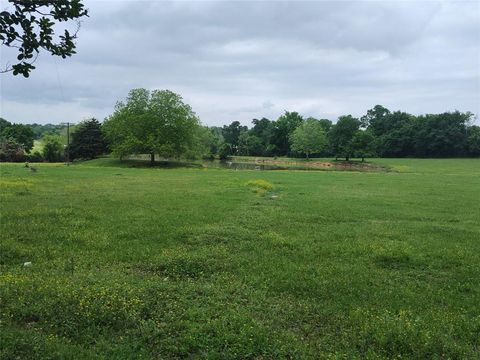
341, 135
156, 122
326, 125
363, 144
225, 151
215, 139
52, 148
308, 138
284, 127
21, 133
11, 150
395, 134
4, 124
41, 129
250, 144
375, 119
30, 26
204, 141
232, 132
473, 142
441, 134
264, 130
15, 141
87, 140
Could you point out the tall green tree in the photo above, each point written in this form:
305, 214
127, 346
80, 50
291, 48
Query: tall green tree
4, 124
21, 133
375, 120
216, 139
156, 122
473, 141
88, 141
341, 135
205, 144
442, 134
326, 125
284, 127
11, 150
231, 134
363, 144
308, 138
15, 140
397, 135
264, 130
52, 148
250, 144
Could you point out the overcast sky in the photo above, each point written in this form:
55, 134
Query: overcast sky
241, 60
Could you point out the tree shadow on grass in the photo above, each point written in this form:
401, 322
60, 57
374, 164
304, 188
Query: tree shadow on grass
141, 163
163, 164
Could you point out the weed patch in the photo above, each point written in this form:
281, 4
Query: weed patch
260, 186
182, 267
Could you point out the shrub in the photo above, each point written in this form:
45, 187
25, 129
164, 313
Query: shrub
11, 150
260, 184
225, 151
34, 157
52, 149
209, 157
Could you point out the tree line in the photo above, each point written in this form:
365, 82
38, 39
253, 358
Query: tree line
160, 123
379, 133
17, 141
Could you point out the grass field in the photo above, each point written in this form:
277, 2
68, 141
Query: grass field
221, 264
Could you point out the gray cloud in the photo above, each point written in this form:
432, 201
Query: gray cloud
240, 60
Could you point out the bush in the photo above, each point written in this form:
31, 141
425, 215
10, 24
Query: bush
52, 149
209, 157
225, 152
11, 150
34, 157
261, 184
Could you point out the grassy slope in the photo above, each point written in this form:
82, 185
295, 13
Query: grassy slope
173, 262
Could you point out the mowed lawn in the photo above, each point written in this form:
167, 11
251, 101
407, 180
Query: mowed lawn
191, 263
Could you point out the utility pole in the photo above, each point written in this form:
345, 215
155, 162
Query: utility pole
68, 142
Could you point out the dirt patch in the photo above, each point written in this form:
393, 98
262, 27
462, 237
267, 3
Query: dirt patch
357, 166
320, 165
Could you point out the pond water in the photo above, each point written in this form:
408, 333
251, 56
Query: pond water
246, 166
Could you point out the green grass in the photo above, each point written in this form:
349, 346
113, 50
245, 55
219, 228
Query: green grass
183, 262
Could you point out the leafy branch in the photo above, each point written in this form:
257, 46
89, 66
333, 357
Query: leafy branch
29, 27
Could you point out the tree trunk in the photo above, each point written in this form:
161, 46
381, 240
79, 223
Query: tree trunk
152, 158
307, 155
363, 158
347, 158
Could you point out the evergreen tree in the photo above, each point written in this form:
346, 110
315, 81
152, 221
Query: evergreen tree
87, 140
